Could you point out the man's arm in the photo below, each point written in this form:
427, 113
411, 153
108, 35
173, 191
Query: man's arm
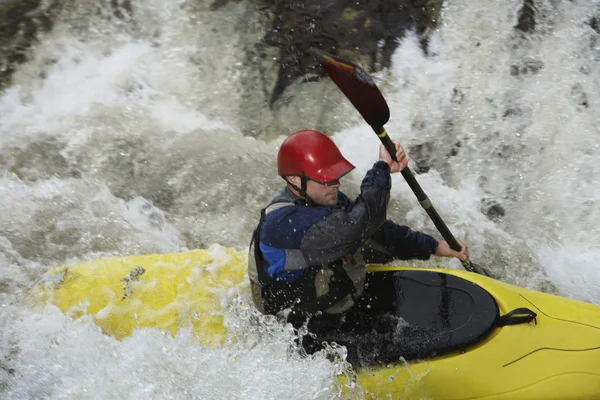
393, 241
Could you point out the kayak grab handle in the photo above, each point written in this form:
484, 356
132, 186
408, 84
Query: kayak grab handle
517, 316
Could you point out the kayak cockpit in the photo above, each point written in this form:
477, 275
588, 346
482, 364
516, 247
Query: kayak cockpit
417, 314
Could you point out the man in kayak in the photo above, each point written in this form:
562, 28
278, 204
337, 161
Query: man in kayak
312, 244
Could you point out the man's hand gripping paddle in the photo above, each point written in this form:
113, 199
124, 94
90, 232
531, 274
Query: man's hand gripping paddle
364, 95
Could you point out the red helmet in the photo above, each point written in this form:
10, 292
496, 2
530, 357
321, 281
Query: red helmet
313, 155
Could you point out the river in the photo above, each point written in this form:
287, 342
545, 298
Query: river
121, 138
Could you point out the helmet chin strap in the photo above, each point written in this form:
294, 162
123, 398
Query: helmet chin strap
302, 190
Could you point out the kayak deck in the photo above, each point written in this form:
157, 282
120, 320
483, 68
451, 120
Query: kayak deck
558, 357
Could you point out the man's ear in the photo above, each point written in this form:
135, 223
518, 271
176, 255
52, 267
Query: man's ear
294, 180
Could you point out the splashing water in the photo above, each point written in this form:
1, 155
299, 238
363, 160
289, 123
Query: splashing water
123, 136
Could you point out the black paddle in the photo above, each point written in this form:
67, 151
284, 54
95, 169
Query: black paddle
362, 92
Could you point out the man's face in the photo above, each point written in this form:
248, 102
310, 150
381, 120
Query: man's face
323, 195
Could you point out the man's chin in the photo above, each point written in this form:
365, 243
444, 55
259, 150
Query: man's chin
327, 202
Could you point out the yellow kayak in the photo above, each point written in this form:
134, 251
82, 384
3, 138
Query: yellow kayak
476, 337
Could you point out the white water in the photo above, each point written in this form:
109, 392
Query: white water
122, 138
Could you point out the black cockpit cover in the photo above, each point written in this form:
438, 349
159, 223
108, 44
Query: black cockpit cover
415, 315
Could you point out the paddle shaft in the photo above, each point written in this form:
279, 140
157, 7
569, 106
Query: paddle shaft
422, 197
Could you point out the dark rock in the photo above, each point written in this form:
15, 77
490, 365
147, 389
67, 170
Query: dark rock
526, 21
217, 4
505, 151
579, 96
494, 211
512, 112
121, 9
457, 96
534, 67
21, 21
454, 150
421, 155
593, 23
529, 67
365, 32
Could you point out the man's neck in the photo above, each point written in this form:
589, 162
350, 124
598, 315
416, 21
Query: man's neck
293, 191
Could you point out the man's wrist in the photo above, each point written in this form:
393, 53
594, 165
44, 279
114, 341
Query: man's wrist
435, 247
382, 165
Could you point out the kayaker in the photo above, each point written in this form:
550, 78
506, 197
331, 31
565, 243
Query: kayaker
312, 243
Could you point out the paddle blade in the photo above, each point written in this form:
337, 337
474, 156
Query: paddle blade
358, 87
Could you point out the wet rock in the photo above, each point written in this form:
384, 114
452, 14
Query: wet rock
593, 23
275, 36
505, 150
121, 9
494, 211
284, 88
457, 96
421, 155
530, 67
424, 156
217, 4
366, 32
21, 21
512, 112
526, 19
454, 150
579, 96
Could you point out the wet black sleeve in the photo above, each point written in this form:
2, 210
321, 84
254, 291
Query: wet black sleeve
393, 241
348, 226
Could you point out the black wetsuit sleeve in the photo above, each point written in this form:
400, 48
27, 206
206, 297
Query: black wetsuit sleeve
347, 227
393, 241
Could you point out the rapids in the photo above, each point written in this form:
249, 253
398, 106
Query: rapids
144, 136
